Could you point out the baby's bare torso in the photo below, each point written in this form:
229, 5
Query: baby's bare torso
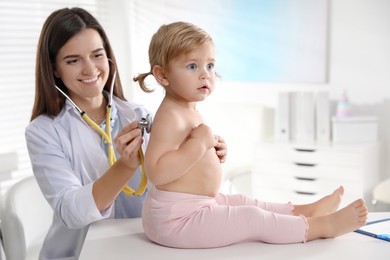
204, 177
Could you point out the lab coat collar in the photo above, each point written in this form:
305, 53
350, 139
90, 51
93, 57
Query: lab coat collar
68, 107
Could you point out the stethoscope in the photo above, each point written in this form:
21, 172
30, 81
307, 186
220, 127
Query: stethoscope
144, 124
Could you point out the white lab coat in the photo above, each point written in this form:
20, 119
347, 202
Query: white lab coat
67, 156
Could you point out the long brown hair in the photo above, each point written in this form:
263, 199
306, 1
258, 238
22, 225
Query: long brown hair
59, 27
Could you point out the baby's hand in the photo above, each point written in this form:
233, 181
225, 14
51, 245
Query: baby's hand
204, 134
221, 149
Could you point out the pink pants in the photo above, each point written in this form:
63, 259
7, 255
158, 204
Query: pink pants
191, 221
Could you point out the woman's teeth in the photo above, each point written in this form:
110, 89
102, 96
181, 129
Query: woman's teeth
89, 80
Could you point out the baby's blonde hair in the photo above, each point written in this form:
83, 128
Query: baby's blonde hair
169, 42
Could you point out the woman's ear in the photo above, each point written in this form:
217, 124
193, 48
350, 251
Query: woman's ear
160, 75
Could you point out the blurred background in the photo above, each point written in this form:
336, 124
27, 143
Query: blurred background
264, 48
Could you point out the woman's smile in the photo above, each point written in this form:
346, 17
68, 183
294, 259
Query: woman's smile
94, 79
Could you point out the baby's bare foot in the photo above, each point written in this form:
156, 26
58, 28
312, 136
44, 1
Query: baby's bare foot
328, 204
338, 223
347, 219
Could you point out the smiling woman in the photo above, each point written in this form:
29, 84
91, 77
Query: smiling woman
83, 65
73, 158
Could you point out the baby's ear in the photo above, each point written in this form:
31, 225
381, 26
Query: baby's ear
159, 74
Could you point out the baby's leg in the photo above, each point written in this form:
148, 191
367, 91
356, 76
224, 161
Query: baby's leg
217, 226
242, 200
324, 206
338, 223
192, 221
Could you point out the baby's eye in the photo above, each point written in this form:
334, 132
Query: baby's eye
192, 66
210, 66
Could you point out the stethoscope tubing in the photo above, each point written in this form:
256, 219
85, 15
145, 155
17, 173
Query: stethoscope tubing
108, 138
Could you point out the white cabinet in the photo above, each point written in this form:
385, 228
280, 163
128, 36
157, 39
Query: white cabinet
303, 174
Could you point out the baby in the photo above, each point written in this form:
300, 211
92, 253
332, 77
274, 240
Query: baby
183, 162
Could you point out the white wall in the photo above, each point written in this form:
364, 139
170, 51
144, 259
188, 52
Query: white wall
359, 61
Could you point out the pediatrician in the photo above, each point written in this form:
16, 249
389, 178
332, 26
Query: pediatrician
84, 173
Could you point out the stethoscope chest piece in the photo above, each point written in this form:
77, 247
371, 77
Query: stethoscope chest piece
145, 124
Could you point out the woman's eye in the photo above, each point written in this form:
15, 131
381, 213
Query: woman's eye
192, 66
73, 61
98, 55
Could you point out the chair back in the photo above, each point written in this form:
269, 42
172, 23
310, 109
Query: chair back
381, 192
25, 218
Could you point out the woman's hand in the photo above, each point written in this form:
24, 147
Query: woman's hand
221, 149
128, 142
